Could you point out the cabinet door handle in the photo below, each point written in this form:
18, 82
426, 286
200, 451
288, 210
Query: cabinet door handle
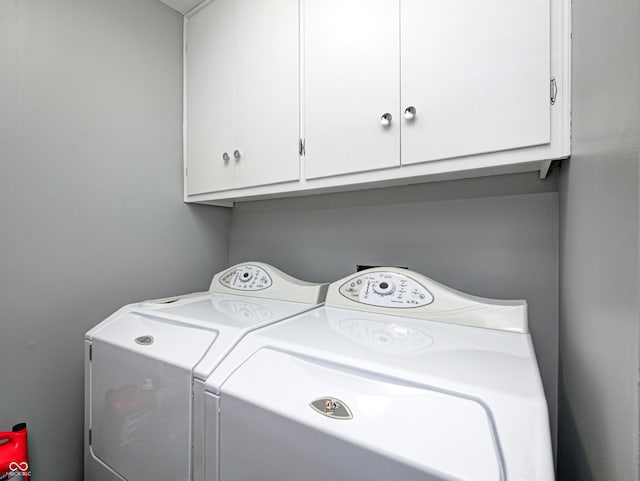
237, 154
410, 113
385, 120
225, 157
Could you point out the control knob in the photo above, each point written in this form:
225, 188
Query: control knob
384, 288
246, 276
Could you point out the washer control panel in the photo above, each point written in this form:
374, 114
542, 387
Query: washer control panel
246, 277
386, 289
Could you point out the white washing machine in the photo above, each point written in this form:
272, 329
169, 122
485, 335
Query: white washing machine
397, 377
146, 363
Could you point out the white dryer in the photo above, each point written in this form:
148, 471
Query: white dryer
397, 377
144, 363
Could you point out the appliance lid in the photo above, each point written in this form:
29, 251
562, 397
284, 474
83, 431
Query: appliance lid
205, 329
221, 311
173, 342
417, 425
462, 358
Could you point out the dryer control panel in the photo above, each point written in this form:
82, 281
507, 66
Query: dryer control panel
246, 278
404, 293
257, 279
386, 289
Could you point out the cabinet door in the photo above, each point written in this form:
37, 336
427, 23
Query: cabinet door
351, 79
209, 98
477, 74
266, 83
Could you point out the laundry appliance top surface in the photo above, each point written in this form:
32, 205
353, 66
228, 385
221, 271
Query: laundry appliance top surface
400, 389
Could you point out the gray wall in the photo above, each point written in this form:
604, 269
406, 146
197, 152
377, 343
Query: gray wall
599, 315
90, 199
493, 237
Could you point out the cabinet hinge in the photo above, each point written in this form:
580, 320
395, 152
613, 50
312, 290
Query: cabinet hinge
90, 435
186, 172
90, 352
553, 90
301, 147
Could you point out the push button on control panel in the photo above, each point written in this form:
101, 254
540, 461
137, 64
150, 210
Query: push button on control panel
246, 278
386, 289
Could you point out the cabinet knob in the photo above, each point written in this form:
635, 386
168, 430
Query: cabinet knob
225, 157
237, 154
410, 113
385, 120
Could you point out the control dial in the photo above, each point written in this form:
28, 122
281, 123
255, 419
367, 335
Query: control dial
384, 288
246, 278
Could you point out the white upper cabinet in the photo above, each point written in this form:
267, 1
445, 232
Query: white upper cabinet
449, 79
266, 100
209, 99
311, 96
351, 76
242, 109
475, 77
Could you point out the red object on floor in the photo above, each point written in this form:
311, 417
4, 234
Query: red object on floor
14, 460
